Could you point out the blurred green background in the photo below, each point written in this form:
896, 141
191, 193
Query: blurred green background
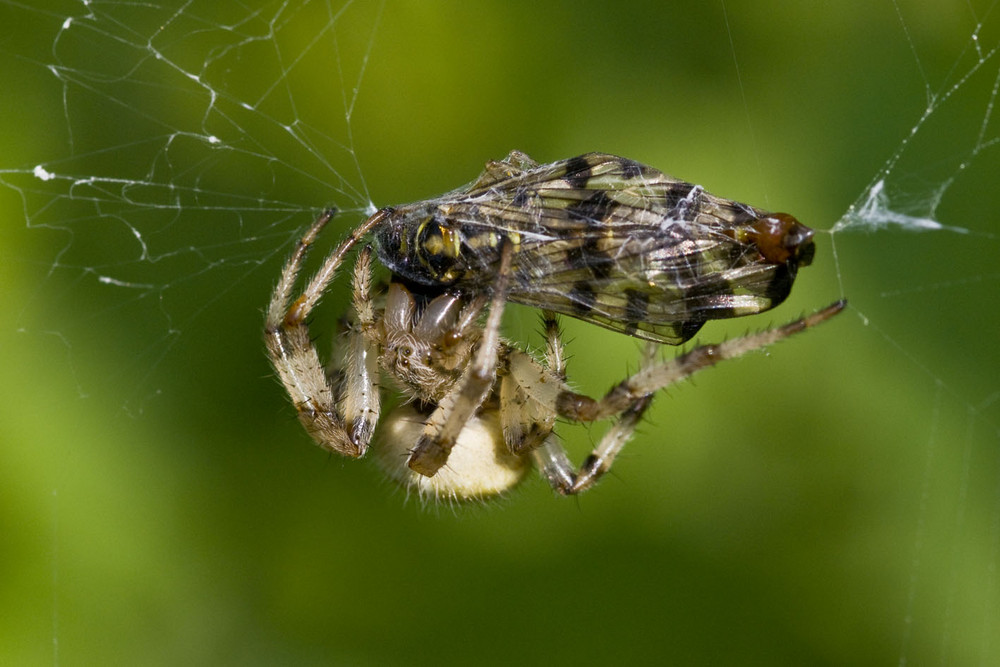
834, 501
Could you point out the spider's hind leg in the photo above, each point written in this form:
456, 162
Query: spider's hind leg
554, 462
628, 400
651, 378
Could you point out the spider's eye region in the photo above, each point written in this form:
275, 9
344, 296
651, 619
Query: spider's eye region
404, 355
451, 339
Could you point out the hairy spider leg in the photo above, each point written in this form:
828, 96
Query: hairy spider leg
446, 422
296, 361
632, 396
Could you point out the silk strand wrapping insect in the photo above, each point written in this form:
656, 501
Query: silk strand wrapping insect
596, 237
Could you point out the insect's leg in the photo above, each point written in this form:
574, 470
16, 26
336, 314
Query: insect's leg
461, 403
520, 160
578, 407
291, 349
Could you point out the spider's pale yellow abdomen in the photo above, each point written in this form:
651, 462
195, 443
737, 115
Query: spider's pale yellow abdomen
479, 466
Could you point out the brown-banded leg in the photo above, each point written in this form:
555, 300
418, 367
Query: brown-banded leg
278, 306
564, 477
630, 399
649, 379
455, 409
300, 309
529, 392
555, 465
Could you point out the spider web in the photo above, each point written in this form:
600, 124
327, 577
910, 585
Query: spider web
162, 159
162, 186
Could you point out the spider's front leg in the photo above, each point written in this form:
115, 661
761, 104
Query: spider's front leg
297, 363
360, 399
454, 411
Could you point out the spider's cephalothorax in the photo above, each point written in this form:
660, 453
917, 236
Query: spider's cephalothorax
597, 237
426, 350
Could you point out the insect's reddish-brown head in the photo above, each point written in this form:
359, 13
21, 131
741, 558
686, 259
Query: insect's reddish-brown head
781, 239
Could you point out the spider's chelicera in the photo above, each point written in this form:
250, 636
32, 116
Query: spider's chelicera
596, 237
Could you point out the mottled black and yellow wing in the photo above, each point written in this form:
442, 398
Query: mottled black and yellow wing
606, 240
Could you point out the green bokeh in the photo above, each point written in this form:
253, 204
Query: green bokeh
832, 502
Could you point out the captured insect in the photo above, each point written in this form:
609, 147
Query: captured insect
597, 237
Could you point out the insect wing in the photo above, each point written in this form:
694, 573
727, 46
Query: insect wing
613, 242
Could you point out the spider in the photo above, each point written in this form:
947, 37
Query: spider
597, 237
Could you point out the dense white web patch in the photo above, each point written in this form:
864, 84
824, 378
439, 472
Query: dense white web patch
168, 185
875, 209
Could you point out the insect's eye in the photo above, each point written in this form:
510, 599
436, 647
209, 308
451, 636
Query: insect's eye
437, 248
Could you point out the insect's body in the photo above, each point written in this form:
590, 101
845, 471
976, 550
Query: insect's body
604, 239
596, 237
